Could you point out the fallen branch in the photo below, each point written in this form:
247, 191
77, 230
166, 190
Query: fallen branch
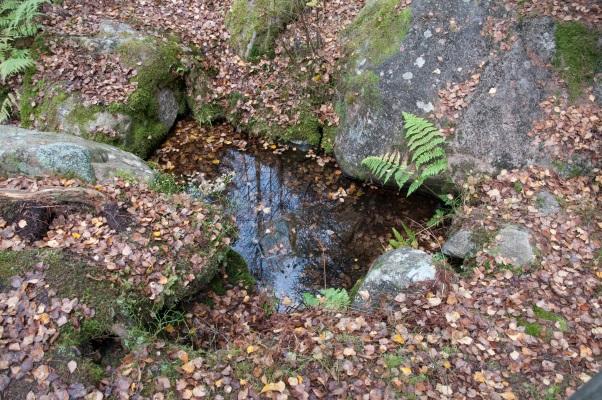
56, 196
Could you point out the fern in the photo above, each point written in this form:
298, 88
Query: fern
17, 21
399, 240
427, 156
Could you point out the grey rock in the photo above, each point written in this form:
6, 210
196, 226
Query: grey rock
459, 245
114, 124
168, 107
513, 245
491, 133
546, 203
35, 153
392, 273
111, 34
374, 128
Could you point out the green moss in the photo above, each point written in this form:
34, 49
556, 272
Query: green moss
577, 55
146, 135
237, 272
47, 109
378, 30
550, 316
363, 86
254, 26
307, 129
207, 113
531, 328
158, 70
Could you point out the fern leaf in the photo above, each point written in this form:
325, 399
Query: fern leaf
428, 157
14, 66
434, 169
7, 107
415, 185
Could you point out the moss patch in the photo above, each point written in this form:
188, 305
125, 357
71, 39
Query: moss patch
236, 271
577, 55
378, 30
550, 316
254, 26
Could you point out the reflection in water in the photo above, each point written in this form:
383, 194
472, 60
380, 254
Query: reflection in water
293, 238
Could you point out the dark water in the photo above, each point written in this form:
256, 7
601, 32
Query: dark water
295, 234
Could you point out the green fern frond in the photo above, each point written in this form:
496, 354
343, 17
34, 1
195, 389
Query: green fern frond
7, 107
425, 145
14, 66
26, 12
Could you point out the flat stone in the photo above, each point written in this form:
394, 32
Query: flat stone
35, 153
513, 246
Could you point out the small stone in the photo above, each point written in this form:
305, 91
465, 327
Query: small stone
427, 34
459, 245
407, 76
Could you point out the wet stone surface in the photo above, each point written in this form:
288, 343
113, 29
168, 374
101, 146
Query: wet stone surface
302, 225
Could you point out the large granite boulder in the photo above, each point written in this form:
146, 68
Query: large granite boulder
410, 55
138, 124
391, 274
34, 153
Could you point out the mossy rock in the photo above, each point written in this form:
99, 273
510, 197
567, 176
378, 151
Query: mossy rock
138, 125
255, 25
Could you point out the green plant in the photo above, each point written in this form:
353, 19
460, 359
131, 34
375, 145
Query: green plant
330, 299
165, 183
17, 21
426, 156
399, 240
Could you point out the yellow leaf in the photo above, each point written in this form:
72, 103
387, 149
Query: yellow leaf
274, 387
188, 367
156, 233
273, 147
599, 274
75, 235
479, 377
446, 364
406, 371
215, 162
397, 338
170, 329
44, 318
508, 396
250, 349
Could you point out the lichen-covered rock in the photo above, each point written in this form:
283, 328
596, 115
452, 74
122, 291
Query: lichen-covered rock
138, 124
255, 24
443, 43
459, 245
393, 272
513, 246
34, 153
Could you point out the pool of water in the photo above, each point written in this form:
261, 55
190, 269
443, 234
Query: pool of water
302, 225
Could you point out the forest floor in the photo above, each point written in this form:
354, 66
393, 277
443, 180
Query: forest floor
490, 332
